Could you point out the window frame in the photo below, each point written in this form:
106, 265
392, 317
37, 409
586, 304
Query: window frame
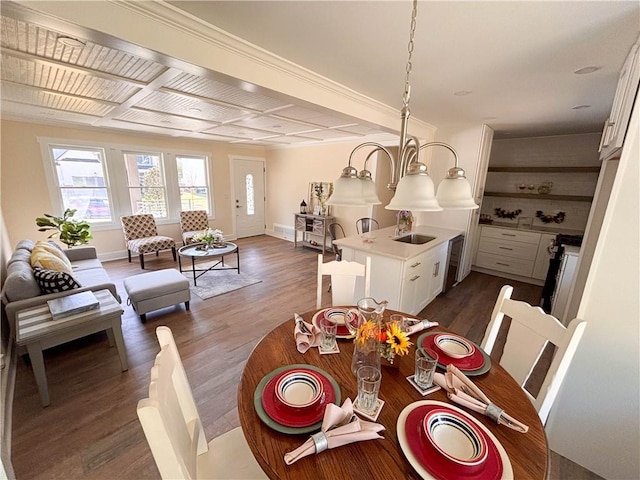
116, 177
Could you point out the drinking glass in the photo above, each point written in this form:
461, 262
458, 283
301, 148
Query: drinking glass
401, 321
328, 331
369, 379
426, 362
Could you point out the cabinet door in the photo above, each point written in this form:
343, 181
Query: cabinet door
437, 265
415, 284
616, 126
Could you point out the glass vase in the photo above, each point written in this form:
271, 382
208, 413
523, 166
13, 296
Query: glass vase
366, 349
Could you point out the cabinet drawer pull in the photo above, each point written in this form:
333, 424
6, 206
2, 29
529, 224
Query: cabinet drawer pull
505, 248
414, 278
508, 234
503, 264
416, 264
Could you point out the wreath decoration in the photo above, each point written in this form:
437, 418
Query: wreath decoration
548, 218
502, 213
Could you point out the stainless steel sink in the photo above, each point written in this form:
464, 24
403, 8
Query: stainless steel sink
415, 239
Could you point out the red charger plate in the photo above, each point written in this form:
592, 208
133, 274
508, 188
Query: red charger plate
438, 465
472, 362
296, 417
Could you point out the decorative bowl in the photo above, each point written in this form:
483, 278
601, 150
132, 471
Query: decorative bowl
299, 389
457, 439
454, 346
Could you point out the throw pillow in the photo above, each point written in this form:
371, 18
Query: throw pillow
48, 257
51, 281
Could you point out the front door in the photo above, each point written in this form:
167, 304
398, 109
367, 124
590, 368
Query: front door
248, 178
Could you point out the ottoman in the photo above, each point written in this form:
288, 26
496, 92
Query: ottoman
157, 289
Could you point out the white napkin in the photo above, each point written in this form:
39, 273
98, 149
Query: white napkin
464, 392
339, 427
306, 334
420, 325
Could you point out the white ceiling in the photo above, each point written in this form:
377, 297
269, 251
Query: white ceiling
515, 58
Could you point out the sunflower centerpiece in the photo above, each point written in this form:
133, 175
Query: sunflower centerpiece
387, 336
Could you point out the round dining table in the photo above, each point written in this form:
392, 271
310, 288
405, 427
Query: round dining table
383, 458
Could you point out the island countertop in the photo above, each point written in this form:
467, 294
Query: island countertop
384, 244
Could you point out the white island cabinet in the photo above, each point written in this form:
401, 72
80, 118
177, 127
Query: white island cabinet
408, 276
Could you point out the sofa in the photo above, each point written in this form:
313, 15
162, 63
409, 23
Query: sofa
22, 290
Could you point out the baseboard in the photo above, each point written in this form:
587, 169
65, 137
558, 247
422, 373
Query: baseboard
518, 278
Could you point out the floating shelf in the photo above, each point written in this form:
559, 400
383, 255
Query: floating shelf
546, 169
571, 198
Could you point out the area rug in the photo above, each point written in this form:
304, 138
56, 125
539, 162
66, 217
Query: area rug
212, 284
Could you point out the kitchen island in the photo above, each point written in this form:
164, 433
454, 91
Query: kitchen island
409, 276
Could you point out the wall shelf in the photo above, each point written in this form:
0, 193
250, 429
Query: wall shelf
546, 169
537, 196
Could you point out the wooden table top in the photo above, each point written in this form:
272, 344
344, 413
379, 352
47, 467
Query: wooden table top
382, 458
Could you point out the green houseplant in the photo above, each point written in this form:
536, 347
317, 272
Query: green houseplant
70, 231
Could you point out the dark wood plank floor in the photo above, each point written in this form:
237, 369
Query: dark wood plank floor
91, 430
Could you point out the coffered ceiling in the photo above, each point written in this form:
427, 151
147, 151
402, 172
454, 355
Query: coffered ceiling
48, 78
508, 64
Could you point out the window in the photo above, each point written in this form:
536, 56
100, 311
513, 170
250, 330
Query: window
192, 180
248, 180
82, 181
103, 182
147, 191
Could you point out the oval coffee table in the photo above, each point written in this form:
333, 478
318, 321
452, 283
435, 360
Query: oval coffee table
196, 251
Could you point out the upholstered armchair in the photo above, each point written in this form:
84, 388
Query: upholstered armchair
192, 222
141, 236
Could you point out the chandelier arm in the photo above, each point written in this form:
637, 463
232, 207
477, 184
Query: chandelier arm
377, 147
445, 145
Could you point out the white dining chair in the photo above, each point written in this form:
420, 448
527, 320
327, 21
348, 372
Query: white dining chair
343, 280
530, 331
171, 423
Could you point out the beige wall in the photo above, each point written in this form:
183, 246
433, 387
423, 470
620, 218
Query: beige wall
24, 193
289, 172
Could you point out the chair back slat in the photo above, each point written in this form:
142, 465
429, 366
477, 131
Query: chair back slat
530, 331
343, 280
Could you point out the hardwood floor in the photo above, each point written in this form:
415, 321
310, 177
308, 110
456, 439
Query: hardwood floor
91, 431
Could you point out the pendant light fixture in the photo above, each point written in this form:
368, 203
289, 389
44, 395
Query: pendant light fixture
415, 190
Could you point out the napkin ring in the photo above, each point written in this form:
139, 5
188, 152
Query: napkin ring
320, 441
494, 412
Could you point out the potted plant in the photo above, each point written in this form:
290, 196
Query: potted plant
70, 231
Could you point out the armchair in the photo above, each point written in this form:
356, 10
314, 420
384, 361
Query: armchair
141, 236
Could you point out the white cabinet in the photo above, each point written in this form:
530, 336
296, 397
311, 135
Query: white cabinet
615, 128
408, 285
507, 250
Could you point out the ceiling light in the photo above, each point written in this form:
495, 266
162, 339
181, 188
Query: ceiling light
70, 41
462, 93
195, 110
580, 107
415, 189
585, 70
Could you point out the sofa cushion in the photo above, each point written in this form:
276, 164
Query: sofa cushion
26, 245
92, 276
42, 257
20, 282
52, 281
88, 264
22, 255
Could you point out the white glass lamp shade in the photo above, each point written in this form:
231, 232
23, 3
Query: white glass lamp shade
347, 192
415, 192
369, 191
455, 194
